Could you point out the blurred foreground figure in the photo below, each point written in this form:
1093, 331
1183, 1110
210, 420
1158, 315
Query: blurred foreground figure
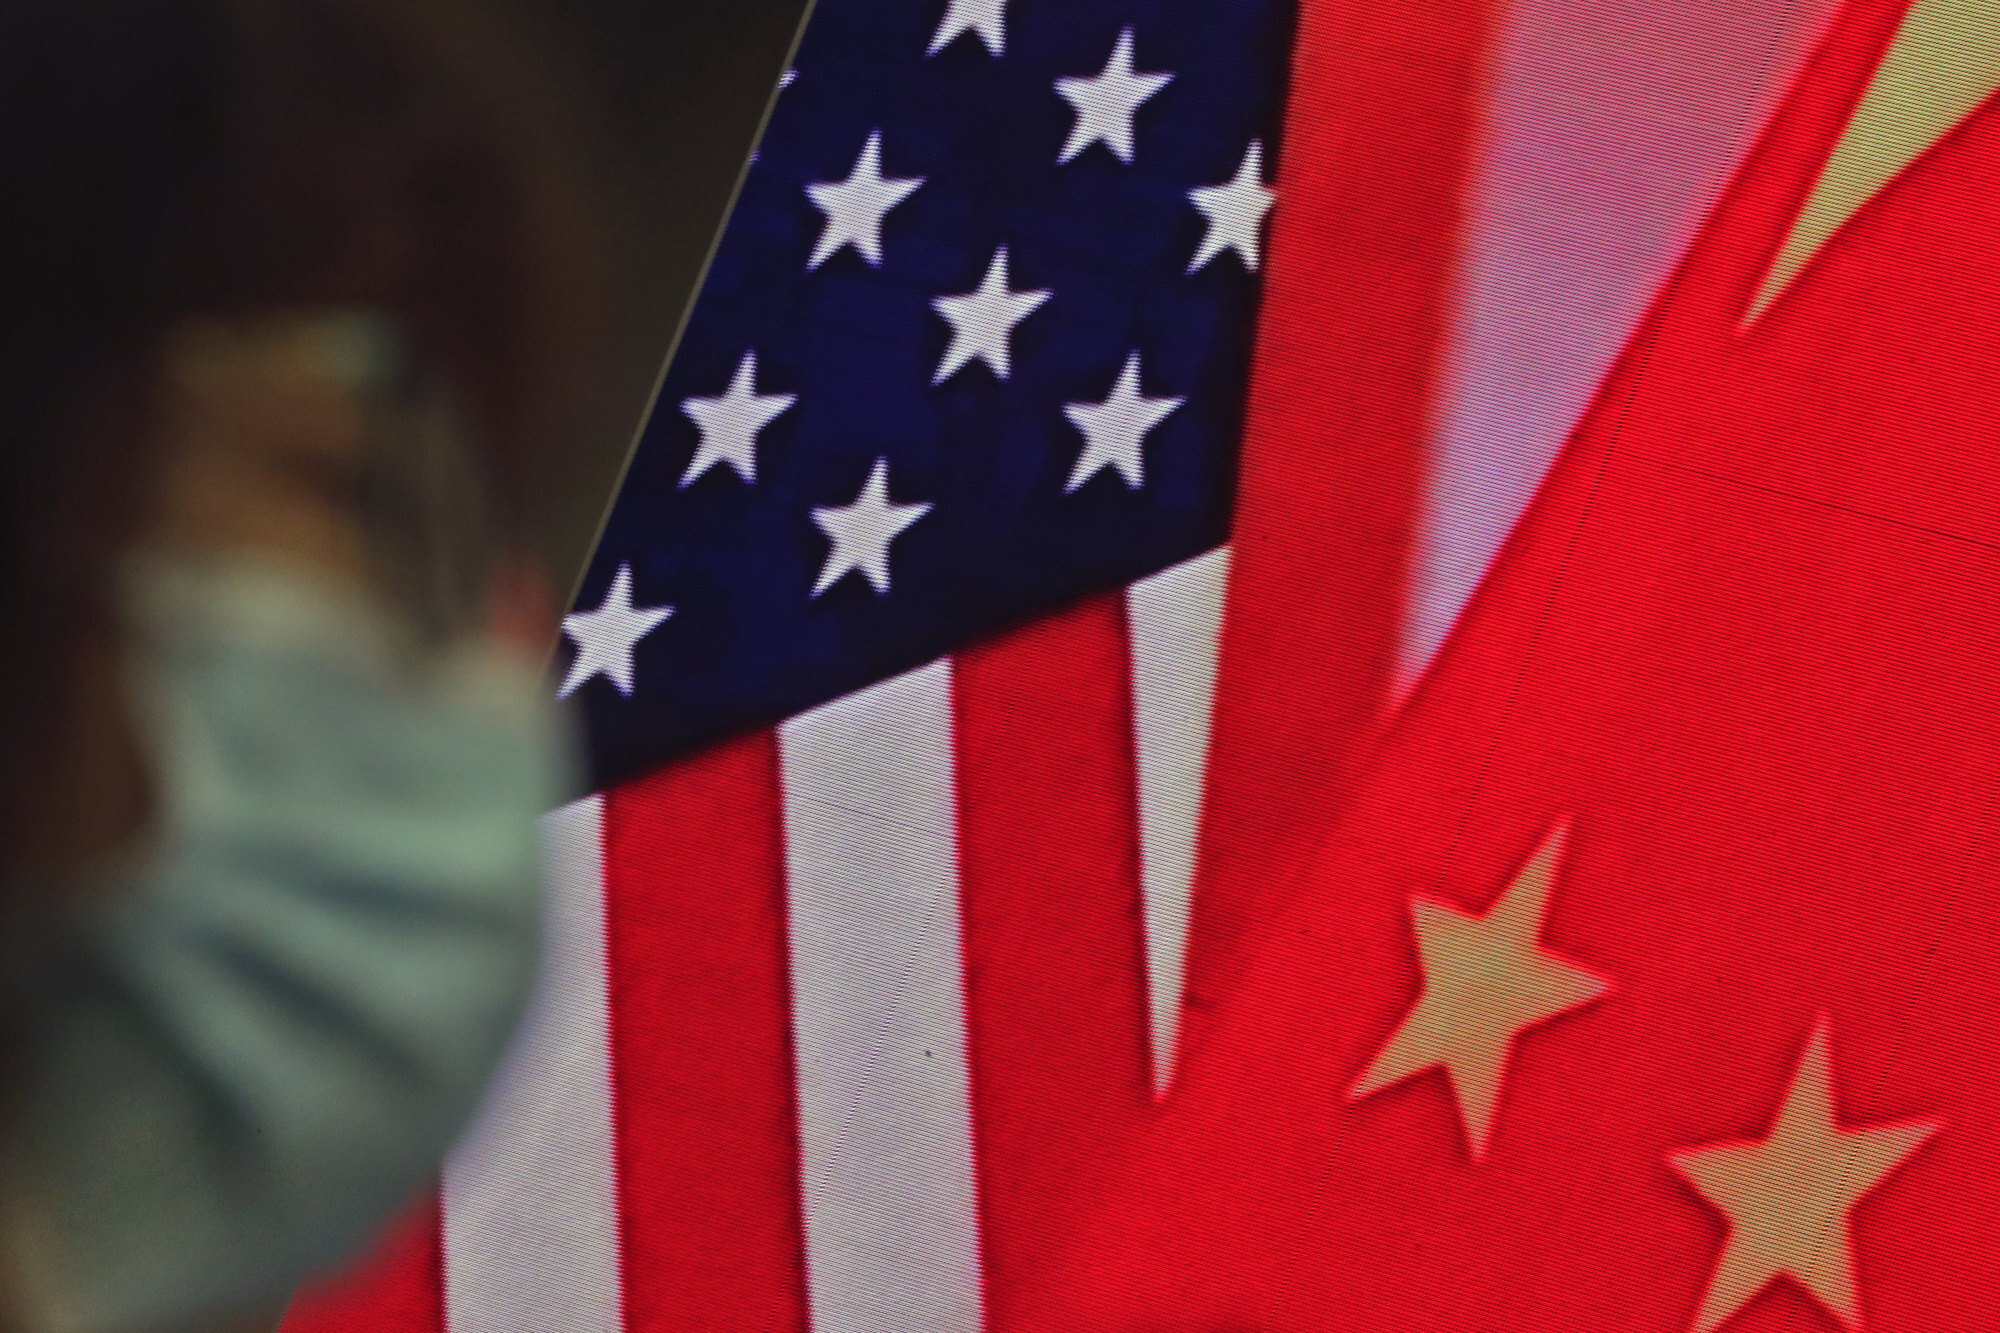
278, 324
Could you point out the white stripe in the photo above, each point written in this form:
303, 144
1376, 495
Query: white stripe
878, 1004
1176, 632
530, 1198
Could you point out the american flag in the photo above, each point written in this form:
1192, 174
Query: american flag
974, 347
1085, 409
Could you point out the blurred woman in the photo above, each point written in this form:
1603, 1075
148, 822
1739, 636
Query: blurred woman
285, 309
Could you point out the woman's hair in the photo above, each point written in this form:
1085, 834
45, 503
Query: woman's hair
165, 159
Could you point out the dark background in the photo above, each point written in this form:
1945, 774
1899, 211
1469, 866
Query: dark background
668, 98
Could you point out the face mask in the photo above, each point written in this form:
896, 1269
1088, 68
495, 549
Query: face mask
249, 1055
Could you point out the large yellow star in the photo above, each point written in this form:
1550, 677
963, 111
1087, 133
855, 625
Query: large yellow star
1788, 1197
1486, 980
1943, 63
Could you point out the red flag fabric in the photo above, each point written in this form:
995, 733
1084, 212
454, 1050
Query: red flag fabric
1652, 981
1379, 139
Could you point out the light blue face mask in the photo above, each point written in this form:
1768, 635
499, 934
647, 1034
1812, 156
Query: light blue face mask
258, 1049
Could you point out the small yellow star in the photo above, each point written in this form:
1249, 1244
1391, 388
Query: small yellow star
1486, 980
1788, 1197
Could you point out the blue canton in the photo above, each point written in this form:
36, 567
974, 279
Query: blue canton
837, 483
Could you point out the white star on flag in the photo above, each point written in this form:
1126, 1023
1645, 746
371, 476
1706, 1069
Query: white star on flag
983, 321
855, 207
861, 532
1235, 212
987, 18
1115, 430
1106, 103
730, 424
604, 638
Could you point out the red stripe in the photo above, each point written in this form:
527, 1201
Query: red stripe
707, 1146
1055, 989
397, 1287
1376, 152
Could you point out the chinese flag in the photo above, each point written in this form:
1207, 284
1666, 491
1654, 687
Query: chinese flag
1653, 981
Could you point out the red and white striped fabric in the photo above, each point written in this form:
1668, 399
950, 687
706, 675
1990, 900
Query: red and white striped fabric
841, 1018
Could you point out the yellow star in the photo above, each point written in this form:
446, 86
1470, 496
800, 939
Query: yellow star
1788, 1197
1486, 980
1943, 63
